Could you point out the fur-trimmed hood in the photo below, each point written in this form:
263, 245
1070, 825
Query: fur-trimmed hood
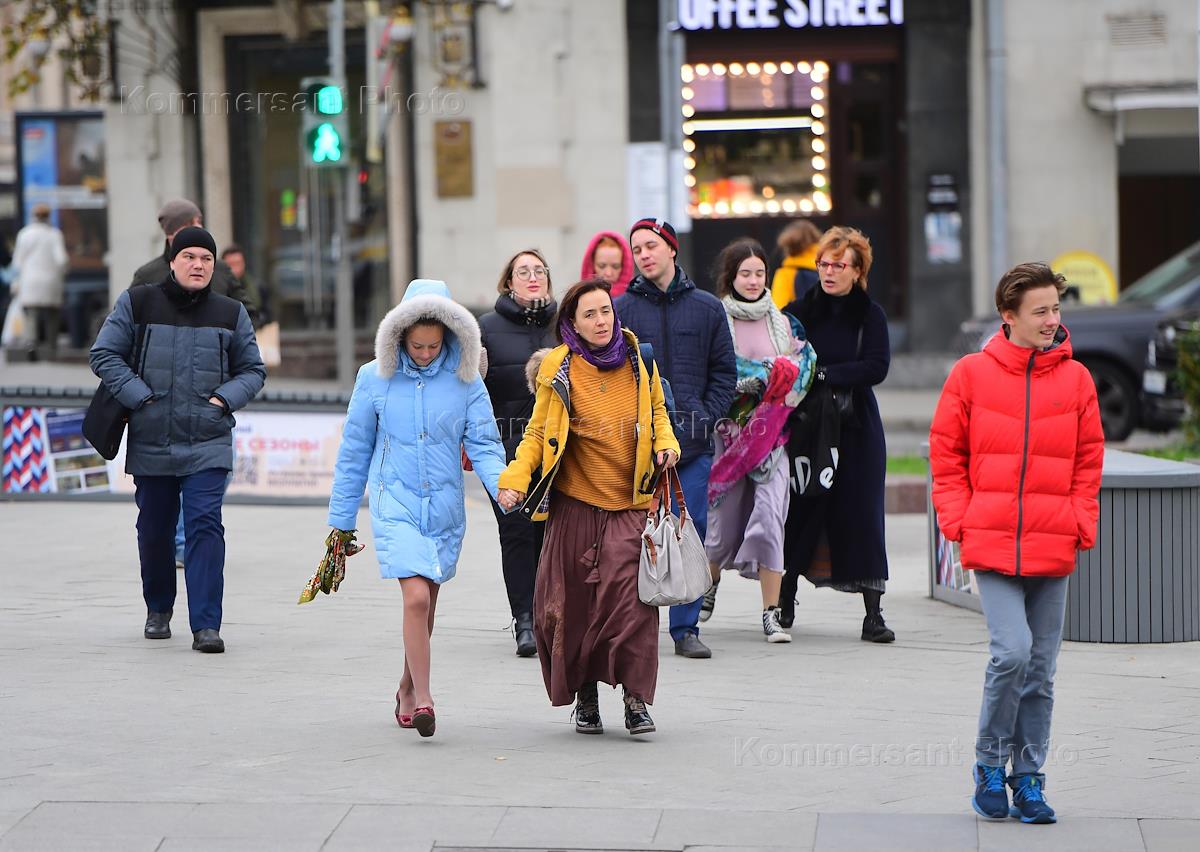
430, 299
533, 366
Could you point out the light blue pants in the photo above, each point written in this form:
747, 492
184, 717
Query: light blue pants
1025, 621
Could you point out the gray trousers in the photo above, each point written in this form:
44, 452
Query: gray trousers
1025, 621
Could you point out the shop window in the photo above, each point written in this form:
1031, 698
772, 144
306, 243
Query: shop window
756, 138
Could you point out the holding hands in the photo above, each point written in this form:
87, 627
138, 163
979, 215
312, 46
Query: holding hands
509, 499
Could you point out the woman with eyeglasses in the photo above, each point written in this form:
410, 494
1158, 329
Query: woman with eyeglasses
519, 326
836, 539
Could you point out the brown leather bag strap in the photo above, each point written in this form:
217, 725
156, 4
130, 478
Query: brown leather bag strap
673, 478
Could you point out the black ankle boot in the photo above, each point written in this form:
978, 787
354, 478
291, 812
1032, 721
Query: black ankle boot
637, 717
523, 632
875, 630
587, 710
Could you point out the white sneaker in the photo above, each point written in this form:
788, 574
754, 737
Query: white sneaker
771, 627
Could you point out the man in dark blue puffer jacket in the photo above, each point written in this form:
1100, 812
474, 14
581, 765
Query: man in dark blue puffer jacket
182, 359
694, 351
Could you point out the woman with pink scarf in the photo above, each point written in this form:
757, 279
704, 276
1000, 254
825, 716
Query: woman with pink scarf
748, 489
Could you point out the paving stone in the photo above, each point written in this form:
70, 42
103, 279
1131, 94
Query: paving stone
1170, 835
269, 821
895, 832
580, 828
106, 819
446, 825
737, 828
1069, 834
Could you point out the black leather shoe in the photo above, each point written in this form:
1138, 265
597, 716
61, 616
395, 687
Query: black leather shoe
874, 629
587, 710
637, 717
690, 646
158, 625
208, 641
523, 631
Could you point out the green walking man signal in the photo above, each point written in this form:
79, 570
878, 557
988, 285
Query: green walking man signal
324, 137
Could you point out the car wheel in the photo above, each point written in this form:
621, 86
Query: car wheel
1117, 397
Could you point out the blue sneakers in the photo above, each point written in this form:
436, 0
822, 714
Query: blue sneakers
1029, 803
991, 798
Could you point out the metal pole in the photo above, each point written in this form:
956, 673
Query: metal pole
998, 259
343, 293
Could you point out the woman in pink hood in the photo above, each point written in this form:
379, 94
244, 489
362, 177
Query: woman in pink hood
608, 257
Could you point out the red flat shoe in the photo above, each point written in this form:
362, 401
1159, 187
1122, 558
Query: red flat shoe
424, 721
404, 720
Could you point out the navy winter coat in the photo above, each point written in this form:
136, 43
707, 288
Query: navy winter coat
694, 352
850, 517
511, 334
195, 345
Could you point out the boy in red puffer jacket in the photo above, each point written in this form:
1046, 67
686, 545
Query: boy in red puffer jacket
1016, 451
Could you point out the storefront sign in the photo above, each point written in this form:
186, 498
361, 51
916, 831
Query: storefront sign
1088, 276
796, 14
452, 158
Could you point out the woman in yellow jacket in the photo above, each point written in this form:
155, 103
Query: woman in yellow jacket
598, 429
798, 242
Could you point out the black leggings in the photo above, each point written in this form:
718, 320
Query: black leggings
520, 549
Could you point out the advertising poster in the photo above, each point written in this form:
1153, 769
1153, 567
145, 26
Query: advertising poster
61, 159
277, 454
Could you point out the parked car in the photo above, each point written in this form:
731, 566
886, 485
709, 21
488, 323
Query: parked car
1111, 340
1163, 407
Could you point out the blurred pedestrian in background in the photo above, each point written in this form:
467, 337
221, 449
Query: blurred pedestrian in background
598, 429
798, 271
748, 487
850, 334
413, 410
40, 260
518, 326
180, 443
608, 257
690, 334
173, 217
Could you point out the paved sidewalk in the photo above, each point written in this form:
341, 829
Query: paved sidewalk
287, 741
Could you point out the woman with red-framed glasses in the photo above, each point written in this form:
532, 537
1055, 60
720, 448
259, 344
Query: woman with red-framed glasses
836, 539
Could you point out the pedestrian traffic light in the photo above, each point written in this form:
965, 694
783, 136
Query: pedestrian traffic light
324, 137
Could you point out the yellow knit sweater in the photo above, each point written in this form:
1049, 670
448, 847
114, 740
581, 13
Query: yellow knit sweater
600, 457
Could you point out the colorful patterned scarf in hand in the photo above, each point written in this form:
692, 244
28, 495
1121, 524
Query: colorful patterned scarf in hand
783, 381
338, 545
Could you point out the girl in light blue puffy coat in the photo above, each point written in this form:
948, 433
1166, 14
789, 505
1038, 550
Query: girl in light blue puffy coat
413, 410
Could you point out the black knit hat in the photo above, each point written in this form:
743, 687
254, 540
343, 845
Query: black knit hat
193, 237
659, 226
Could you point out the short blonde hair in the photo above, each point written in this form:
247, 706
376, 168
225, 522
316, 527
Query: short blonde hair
838, 239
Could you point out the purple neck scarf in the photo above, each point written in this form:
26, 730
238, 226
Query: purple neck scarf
610, 356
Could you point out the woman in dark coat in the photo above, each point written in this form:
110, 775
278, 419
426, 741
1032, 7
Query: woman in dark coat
518, 327
850, 334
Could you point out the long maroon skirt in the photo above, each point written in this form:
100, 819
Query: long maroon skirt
589, 623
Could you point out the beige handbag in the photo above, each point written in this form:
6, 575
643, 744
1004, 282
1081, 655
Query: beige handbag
674, 566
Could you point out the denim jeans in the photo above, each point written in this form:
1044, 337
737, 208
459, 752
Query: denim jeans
1025, 622
180, 538
693, 479
159, 499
